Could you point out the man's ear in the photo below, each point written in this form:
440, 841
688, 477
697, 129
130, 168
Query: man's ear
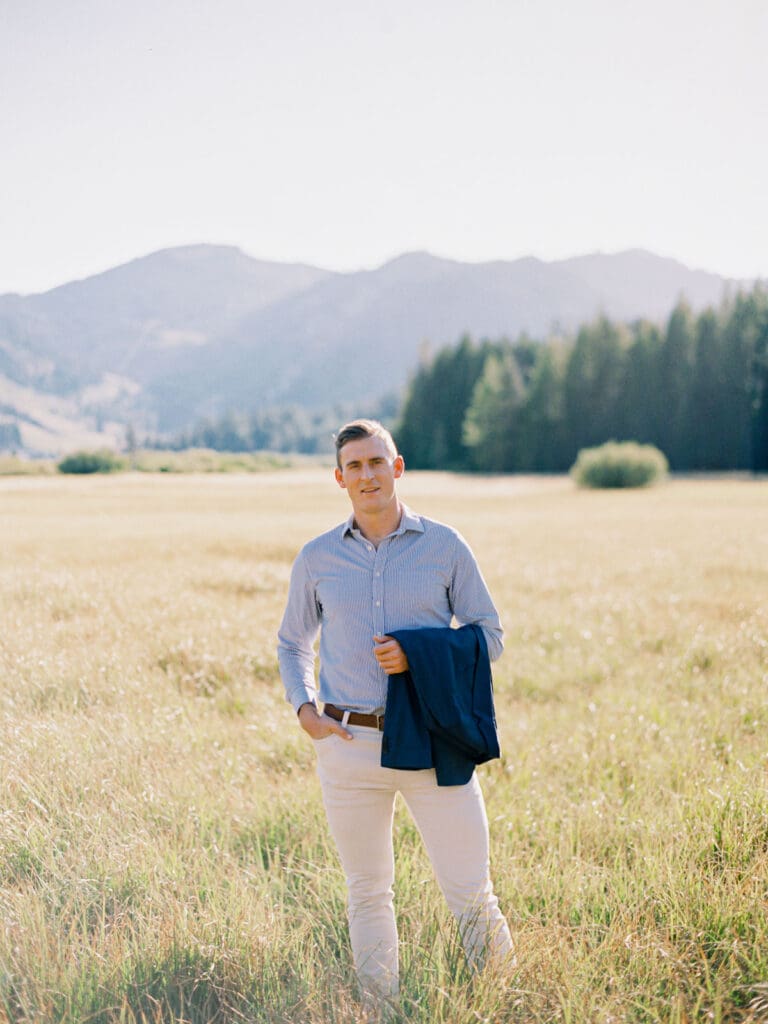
398, 467
339, 478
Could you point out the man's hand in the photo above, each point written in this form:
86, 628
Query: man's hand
320, 726
390, 655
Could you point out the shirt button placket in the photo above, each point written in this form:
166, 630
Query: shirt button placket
378, 590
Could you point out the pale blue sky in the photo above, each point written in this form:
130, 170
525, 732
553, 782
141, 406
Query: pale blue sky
345, 132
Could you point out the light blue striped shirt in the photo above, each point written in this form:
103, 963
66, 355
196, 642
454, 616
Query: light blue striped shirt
423, 574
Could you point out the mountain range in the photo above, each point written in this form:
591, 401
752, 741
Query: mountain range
196, 331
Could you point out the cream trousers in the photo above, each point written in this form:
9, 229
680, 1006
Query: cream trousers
359, 798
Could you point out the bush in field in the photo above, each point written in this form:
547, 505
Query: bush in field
91, 462
619, 464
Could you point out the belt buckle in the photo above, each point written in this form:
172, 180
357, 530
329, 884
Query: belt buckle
380, 722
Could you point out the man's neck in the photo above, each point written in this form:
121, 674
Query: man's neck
376, 527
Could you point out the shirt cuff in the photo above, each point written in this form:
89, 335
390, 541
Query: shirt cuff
302, 695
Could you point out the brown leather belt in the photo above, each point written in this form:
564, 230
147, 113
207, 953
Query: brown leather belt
355, 718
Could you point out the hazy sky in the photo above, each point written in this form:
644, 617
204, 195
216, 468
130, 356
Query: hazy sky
344, 132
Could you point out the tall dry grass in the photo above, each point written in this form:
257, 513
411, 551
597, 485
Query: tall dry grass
163, 852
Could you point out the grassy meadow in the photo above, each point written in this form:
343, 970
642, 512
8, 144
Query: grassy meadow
163, 851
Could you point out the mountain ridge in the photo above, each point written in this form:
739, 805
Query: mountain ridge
198, 330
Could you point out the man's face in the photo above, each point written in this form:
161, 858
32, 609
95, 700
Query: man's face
368, 472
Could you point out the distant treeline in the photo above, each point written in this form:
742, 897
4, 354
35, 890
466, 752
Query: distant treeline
697, 389
276, 429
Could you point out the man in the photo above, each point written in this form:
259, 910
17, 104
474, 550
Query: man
386, 569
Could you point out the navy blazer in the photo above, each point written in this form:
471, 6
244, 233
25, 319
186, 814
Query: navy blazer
439, 714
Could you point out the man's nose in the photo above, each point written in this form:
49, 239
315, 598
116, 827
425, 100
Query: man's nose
367, 471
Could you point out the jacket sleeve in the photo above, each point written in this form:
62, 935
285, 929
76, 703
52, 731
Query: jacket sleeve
297, 635
471, 601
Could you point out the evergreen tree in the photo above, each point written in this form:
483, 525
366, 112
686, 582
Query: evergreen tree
541, 445
594, 381
675, 367
738, 340
706, 417
641, 414
490, 427
758, 388
430, 430
526, 353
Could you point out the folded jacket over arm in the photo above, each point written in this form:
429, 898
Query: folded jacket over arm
440, 714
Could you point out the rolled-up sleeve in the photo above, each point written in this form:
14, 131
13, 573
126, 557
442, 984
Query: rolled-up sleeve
471, 600
297, 635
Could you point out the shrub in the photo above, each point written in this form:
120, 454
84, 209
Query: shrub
619, 464
91, 462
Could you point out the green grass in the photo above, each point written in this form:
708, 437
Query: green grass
151, 460
205, 460
163, 851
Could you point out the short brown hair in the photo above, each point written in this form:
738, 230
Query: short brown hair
356, 430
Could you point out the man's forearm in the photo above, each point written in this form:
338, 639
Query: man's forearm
297, 671
494, 641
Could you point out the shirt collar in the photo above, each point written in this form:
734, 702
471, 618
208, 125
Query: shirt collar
408, 521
